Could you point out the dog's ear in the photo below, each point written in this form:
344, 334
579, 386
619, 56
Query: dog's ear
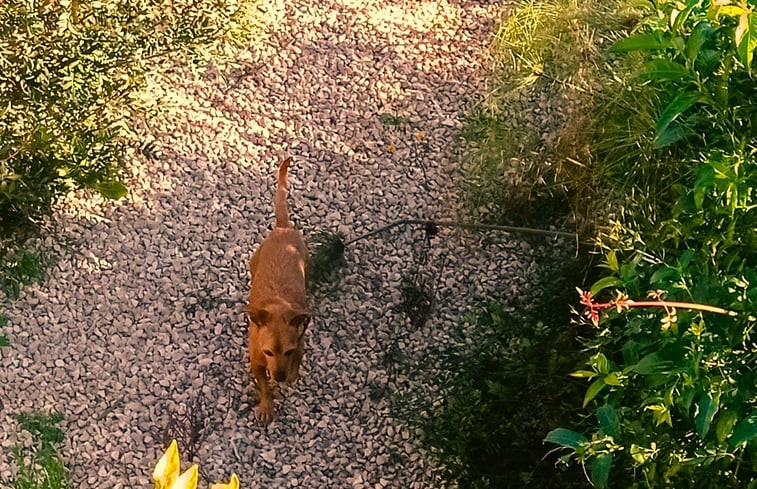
259, 317
300, 321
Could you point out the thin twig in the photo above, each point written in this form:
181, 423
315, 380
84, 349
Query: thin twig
462, 225
682, 305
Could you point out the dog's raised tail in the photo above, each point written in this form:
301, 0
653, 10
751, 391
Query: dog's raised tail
281, 206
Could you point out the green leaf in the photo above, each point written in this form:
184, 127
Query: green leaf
705, 179
650, 365
708, 62
112, 189
612, 261
686, 399
708, 407
4, 341
565, 438
730, 11
746, 38
671, 135
664, 70
745, 431
640, 42
604, 283
684, 15
680, 104
701, 33
726, 422
641, 455
628, 271
600, 470
661, 414
686, 258
593, 390
609, 421
600, 363
630, 352
663, 274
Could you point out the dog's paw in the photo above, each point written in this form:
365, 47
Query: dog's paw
264, 412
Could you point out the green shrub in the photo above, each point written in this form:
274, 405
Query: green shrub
673, 389
40, 466
681, 85
18, 268
70, 72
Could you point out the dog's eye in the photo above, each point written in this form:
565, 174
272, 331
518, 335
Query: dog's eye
289, 353
268, 353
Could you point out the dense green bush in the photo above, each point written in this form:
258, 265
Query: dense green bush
69, 75
672, 384
680, 86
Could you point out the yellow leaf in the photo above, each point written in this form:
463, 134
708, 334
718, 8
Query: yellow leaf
187, 480
731, 10
233, 483
167, 467
612, 261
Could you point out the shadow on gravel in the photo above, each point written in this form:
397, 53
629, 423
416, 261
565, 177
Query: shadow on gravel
502, 386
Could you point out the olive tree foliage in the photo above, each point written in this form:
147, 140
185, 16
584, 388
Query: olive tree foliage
70, 75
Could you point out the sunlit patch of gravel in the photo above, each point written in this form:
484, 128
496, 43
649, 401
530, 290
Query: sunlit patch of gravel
140, 320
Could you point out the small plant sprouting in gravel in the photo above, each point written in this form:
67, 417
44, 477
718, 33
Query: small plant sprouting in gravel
393, 120
187, 424
41, 466
20, 267
326, 258
3, 323
417, 300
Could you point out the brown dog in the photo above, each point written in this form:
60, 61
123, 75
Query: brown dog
278, 303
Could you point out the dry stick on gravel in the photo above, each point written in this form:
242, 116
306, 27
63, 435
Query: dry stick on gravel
463, 225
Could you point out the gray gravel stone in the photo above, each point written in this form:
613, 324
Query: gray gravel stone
142, 314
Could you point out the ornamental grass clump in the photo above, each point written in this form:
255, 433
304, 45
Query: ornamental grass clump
526, 140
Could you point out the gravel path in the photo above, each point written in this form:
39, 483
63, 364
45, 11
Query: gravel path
140, 319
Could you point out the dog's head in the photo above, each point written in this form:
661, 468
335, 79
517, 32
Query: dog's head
280, 333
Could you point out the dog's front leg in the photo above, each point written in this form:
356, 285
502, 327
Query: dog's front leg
264, 409
294, 370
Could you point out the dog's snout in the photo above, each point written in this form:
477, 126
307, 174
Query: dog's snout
281, 376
